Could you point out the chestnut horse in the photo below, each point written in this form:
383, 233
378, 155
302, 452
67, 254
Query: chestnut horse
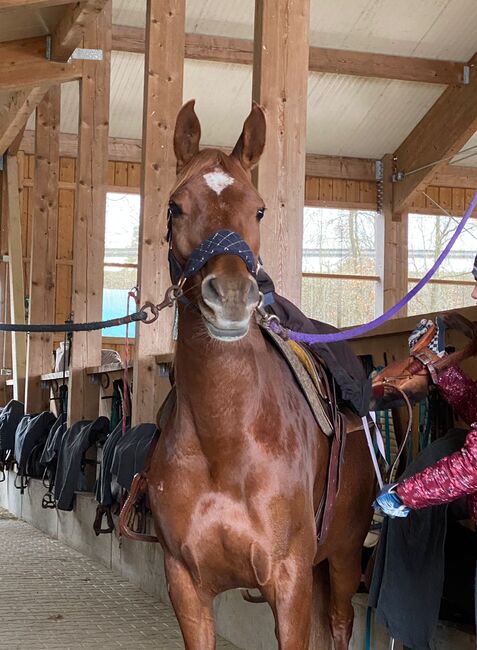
240, 467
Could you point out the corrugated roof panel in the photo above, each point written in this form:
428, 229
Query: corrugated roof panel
346, 115
221, 113
129, 12
223, 98
221, 17
217, 17
26, 22
441, 29
363, 117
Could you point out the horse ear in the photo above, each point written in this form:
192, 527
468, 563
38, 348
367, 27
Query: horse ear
186, 135
250, 145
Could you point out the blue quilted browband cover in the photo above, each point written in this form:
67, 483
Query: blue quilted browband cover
474, 271
222, 242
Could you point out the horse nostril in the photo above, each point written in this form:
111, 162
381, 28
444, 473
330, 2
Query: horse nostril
253, 294
212, 291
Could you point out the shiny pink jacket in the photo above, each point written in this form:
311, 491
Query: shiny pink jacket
456, 475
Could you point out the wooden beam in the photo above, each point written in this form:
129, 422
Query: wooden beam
385, 66
14, 148
4, 337
455, 176
16, 112
441, 133
89, 223
393, 245
13, 4
43, 248
280, 80
358, 169
72, 27
17, 289
321, 59
163, 78
24, 63
130, 150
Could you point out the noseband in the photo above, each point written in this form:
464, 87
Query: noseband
221, 242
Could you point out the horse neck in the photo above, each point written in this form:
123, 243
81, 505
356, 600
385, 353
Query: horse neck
219, 385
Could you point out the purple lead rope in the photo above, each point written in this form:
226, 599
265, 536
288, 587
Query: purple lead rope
303, 337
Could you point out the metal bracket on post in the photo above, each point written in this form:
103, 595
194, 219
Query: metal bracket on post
379, 170
2, 164
84, 54
48, 48
466, 75
398, 177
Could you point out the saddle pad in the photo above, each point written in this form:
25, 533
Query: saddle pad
304, 380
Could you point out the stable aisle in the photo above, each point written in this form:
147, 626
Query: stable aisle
53, 597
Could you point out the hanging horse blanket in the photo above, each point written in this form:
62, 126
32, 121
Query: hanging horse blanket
32, 431
76, 441
53, 443
338, 357
10, 416
131, 452
104, 494
408, 575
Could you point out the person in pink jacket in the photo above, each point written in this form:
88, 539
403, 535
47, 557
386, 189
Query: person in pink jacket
453, 476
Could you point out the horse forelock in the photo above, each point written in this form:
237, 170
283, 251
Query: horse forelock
207, 160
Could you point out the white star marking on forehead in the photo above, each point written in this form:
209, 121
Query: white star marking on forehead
218, 180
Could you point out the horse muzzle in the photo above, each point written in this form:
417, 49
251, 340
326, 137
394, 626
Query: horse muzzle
227, 304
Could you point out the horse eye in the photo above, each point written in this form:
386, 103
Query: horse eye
174, 210
260, 214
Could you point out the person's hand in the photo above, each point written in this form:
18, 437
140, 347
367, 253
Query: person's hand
390, 503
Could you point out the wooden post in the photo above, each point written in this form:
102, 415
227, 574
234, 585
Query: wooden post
280, 81
393, 245
43, 247
17, 289
89, 225
163, 75
4, 337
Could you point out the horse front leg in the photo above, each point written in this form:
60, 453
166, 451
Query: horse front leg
289, 594
193, 608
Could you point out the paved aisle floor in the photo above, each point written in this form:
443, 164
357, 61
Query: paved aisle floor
53, 597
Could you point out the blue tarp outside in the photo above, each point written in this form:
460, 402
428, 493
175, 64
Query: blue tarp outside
115, 302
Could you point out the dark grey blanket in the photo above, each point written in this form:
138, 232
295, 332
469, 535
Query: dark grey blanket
76, 440
31, 431
131, 452
408, 575
10, 416
103, 492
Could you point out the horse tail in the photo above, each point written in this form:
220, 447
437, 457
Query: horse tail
138, 491
320, 637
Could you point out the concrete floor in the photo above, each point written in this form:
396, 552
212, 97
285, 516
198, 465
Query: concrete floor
53, 597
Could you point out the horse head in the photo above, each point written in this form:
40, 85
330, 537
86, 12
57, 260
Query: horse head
214, 215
